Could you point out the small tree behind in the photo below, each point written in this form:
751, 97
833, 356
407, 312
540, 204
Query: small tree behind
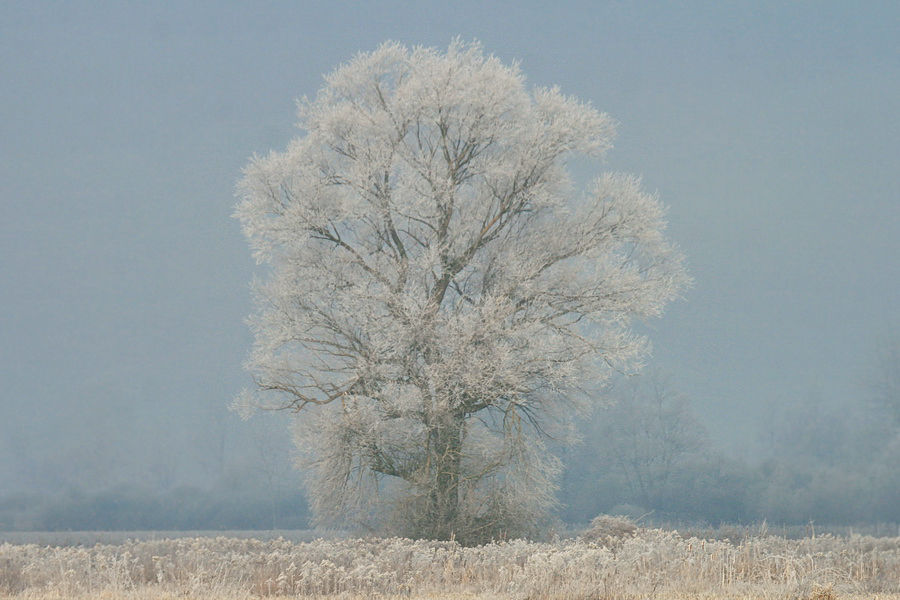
637, 451
438, 289
885, 381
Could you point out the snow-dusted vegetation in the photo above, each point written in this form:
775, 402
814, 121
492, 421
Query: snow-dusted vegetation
620, 562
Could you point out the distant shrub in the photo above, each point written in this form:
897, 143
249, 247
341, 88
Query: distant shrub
610, 531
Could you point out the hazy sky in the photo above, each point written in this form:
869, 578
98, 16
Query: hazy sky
771, 129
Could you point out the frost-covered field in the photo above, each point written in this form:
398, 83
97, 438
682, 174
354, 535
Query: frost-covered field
110, 538
648, 563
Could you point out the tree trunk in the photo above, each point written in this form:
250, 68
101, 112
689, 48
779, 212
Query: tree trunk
445, 446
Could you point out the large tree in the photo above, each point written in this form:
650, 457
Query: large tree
438, 289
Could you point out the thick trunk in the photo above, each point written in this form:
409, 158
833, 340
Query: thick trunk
445, 448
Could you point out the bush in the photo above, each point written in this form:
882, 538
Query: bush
610, 531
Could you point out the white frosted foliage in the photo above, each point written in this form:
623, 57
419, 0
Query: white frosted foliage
438, 289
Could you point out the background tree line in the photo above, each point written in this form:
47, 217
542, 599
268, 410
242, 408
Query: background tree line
832, 463
645, 454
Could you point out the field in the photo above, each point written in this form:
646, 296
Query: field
612, 565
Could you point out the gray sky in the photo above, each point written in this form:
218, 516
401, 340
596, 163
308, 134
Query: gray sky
770, 129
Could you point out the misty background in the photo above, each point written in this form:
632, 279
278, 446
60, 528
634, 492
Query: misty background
770, 130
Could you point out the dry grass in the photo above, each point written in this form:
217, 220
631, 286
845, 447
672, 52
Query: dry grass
638, 564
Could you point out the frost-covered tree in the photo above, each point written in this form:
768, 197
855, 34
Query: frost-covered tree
438, 288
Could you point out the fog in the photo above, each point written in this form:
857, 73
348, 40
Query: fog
770, 130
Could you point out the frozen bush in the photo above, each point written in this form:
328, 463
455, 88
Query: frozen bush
610, 531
